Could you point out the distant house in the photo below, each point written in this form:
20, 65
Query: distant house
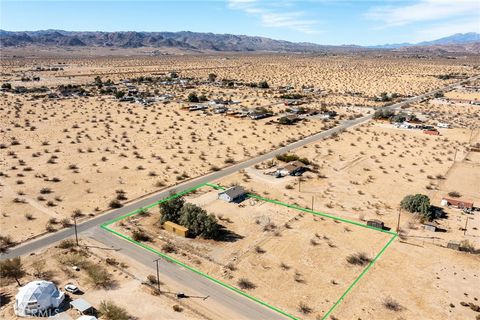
457, 203
443, 125
234, 193
257, 115
220, 109
197, 107
292, 168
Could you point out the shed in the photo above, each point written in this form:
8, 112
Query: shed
453, 245
457, 203
375, 223
82, 306
430, 226
175, 228
232, 194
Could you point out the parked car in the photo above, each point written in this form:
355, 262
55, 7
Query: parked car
72, 288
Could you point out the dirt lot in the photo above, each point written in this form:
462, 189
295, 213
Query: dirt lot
275, 247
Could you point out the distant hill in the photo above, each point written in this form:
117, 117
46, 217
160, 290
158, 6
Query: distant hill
184, 40
208, 42
456, 39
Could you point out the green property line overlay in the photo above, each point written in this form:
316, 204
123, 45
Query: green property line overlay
106, 225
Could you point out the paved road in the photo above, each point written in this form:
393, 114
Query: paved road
220, 301
220, 296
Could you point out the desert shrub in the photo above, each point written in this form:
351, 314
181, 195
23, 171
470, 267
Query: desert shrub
454, 194
111, 311
304, 308
246, 284
66, 244
115, 204
177, 308
391, 304
5, 242
12, 269
169, 247
383, 114
99, 276
152, 279
140, 235
359, 259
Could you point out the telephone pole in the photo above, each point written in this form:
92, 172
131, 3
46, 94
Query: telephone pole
75, 226
158, 276
398, 221
465, 229
313, 197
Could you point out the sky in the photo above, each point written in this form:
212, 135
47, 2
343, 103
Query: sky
332, 22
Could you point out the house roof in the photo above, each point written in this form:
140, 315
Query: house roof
233, 192
80, 304
293, 165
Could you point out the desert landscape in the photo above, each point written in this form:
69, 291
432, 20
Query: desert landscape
379, 213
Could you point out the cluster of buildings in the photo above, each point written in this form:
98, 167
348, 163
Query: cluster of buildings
41, 298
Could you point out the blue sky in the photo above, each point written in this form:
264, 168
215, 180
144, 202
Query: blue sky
319, 21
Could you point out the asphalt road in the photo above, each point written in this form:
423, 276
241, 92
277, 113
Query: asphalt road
219, 296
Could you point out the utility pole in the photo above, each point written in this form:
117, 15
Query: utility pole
75, 226
465, 229
299, 180
312, 201
158, 276
398, 221
455, 156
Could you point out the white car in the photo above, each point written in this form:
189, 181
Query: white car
71, 288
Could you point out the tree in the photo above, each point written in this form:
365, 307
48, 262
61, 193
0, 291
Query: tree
263, 85
170, 209
383, 114
198, 222
418, 203
12, 268
7, 86
119, 94
192, 97
212, 77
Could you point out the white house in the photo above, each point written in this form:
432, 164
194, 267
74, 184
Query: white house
36, 298
232, 194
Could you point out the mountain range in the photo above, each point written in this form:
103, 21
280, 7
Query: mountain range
207, 42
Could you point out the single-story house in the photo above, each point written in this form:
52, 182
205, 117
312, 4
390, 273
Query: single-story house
457, 203
292, 168
232, 194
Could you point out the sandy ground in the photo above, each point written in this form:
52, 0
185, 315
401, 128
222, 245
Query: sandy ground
78, 154
301, 251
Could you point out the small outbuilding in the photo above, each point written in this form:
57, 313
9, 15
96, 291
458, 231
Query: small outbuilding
430, 226
375, 223
234, 193
175, 228
36, 298
82, 306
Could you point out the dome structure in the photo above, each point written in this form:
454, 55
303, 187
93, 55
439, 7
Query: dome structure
37, 298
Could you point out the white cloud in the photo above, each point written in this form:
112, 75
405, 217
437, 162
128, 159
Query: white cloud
424, 10
269, 17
